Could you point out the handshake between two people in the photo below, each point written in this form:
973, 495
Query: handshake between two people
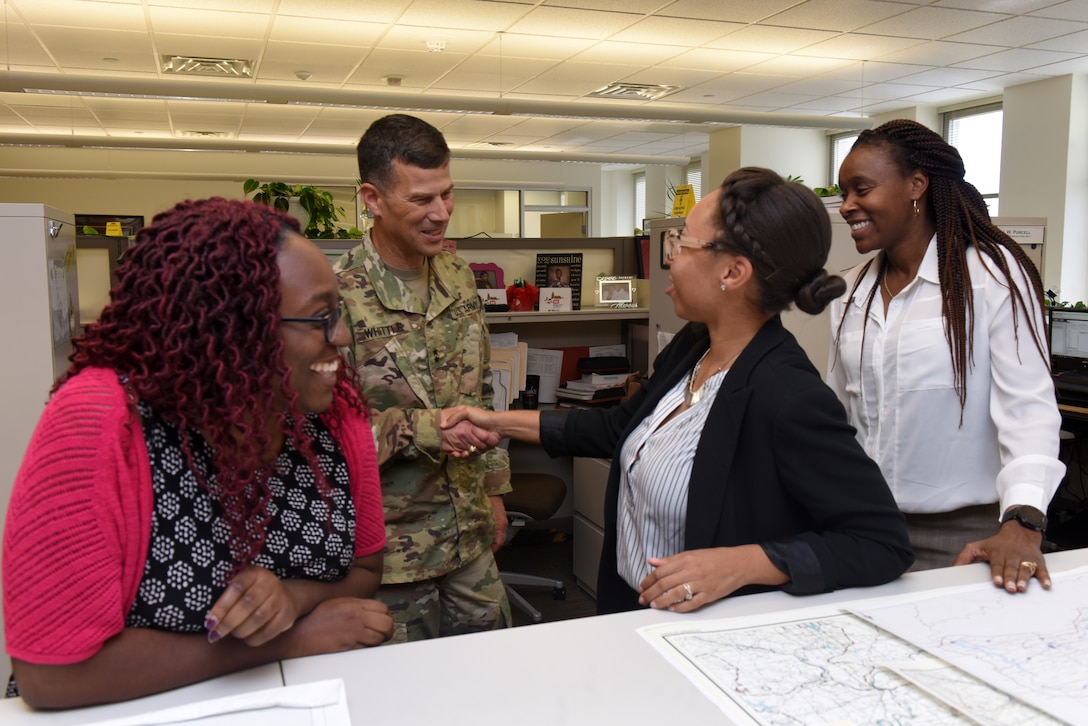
466, 431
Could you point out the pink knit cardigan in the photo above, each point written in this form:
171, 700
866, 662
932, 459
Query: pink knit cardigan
79, 522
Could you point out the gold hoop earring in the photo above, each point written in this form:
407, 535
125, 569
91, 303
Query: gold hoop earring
914, 203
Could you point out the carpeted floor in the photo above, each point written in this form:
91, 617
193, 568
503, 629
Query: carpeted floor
548, 553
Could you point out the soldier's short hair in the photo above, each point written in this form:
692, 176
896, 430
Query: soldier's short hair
399, 136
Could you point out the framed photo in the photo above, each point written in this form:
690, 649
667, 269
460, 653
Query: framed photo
613, 290
554, 299
559, 271
488, 276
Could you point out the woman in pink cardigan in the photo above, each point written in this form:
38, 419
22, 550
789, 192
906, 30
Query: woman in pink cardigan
201, 493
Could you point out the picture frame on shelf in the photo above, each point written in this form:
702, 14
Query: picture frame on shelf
489, 276
555, 299
616, 291
559, 271
494, 300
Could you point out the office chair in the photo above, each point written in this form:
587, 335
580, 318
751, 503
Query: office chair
534, 497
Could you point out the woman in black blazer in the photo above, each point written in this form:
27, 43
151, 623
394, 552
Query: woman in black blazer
734, 469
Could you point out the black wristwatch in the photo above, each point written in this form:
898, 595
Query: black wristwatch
1026, 516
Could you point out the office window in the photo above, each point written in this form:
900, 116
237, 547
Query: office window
976, 133
838, 147
519, 213
640, 199
693, 175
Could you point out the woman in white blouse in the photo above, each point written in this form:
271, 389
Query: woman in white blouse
733, 468
940, 359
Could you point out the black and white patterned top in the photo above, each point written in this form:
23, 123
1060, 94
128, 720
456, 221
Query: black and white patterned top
189, 556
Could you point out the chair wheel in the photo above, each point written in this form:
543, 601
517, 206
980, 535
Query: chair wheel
559, 593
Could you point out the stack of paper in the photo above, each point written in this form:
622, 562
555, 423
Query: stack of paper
509, 366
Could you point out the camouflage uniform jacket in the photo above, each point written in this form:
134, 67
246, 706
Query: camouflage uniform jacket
414, 362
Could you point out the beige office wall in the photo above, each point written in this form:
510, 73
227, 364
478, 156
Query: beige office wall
125, 181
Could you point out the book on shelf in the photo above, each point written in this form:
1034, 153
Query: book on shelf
590, 386
600, 394
613, 378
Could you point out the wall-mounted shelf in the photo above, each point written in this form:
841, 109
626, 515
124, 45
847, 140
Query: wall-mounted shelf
569, 316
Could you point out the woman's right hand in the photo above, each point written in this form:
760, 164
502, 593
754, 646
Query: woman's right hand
338, 625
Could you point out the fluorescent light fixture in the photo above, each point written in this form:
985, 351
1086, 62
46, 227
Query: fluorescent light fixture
398, 107
578, 117
150, 96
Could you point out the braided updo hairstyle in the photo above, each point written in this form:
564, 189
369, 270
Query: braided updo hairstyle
962, 220
191, 329
784, 229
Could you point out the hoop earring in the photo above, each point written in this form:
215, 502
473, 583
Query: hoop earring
914, 203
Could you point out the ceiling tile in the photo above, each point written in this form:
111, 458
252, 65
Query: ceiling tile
938, 53
570, 23
464, 14
722, 61
319, 32
841, 15
682, 32
190, 21
996, 6
386, 11
1072, 43
766, 39
947, 76
77, 48
491, 74
1016, 59
873, 71
87, 15
646, 54
1078, 65
737, 11
575, 79
419, 69
517, 45
932, 22
1015, 32
415, 38
858, 46
798, 66
1072, 10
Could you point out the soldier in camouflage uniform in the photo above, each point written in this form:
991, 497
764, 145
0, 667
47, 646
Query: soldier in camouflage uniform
421, 345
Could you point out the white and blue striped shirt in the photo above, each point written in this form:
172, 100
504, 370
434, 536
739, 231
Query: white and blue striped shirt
656, 461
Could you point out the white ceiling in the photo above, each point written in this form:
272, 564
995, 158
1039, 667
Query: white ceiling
817, 63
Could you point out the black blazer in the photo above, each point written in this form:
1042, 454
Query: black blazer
777, 465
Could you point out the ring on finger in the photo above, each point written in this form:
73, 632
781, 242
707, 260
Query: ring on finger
1030, 566
688, 594
472, 449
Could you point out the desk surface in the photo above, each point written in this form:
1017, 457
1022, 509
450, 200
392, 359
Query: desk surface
593, 670
13, 712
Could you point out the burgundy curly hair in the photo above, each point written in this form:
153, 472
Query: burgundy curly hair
191, 328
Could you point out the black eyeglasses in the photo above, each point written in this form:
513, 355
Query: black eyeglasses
329, 322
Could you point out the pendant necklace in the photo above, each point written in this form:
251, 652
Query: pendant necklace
693, 396
884, 280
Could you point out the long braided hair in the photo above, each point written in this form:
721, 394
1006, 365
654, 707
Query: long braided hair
191, 328
962, 220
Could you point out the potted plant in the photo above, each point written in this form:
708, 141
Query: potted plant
323, 214
830, 195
